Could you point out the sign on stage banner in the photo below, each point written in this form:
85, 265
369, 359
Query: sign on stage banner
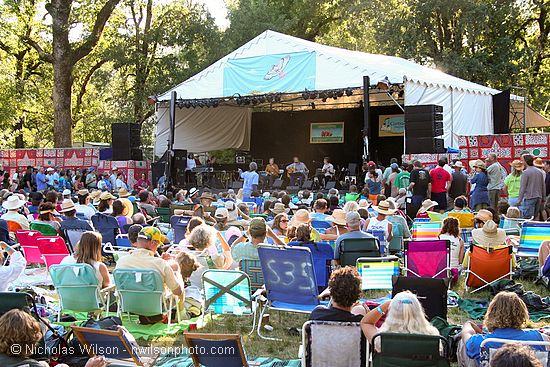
326, 132
270, 74
391, 125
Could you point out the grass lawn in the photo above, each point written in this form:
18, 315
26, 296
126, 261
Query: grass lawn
288, 347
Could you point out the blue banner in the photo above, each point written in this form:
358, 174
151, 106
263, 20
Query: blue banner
291, 72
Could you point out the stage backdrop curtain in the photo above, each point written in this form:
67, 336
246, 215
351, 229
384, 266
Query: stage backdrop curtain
465, 113
205, 129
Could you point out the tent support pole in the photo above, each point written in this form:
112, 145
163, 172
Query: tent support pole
366, 116
171, 138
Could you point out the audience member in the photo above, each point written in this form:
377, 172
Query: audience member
450, 231
353, 224
479, 196
420, 182
10, 272
532, 189
496, 174
13, 205
380, 224
71, 222
280, 224
512, 182
515, 355
440, 180
256, 235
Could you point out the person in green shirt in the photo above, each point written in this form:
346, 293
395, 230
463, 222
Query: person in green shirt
352, 195
512, 181
403, 177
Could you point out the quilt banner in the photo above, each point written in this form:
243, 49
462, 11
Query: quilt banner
290, 72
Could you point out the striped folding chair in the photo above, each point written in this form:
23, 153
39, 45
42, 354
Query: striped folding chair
425, 231
377, 272
253, 268
531, 237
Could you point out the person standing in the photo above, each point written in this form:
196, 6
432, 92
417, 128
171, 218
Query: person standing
403, 178
119, 183
531, 189
250, 178
459, 182
420, 185
41, 180
386, 176
512, 182
496, 174
547, 177
479, 196
440, 184
27, 180
91, 179
272, 171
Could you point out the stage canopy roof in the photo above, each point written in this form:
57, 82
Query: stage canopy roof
277, 63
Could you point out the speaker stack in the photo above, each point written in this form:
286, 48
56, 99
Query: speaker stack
423, 126
126, 142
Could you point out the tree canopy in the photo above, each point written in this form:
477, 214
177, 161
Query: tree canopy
71, 68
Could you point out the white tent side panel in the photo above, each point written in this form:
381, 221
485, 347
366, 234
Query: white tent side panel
464, 113
205, 129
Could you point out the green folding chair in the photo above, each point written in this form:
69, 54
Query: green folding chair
164, 214
411, 350
44, 228
396, 243
141, 292
228, 292
79, 289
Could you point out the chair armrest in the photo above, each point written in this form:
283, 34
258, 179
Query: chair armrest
112, 287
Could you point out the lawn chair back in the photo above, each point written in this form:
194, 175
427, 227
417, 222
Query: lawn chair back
73, 237
289, 277
106, 225
396, 243
422, 231
44, 228
428, 258
486, 267
431, 292
512, 223
52, 248
253, 268
320, 350
140, 291
226, 292
123, 241
203, 349
27, 241
77, 286
179, 227
164, 214
465, 220
322, 254
490, 345
352, 249
377, 272
13, 226
531, 237
320, 225
411, 350
381, 237
16, 300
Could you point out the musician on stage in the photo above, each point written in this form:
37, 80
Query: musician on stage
327, 172
297, 171
191, 164
272, 171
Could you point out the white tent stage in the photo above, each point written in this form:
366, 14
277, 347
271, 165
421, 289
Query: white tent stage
277, 63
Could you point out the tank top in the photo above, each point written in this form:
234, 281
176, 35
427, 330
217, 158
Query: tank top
381, 226
455, 248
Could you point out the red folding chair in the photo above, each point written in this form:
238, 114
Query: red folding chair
428, 259
27, 241
53, 249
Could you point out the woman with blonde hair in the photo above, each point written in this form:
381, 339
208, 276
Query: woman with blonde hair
505, 319
404, 315
351, 206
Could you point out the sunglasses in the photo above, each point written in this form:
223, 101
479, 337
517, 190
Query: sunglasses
284, 220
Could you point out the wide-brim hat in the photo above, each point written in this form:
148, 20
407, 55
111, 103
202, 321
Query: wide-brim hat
484, 215
427, 205
123, 193
13, 202
66, 192
517, 164
128, 207
83, 192
193, 191
207, 196
279, 208
106, 196
300, 217
338, 217
538, 162
384, 207
458, 164
67, 205
490, 235
478, 163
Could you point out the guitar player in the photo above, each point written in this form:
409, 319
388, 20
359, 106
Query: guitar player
297, 171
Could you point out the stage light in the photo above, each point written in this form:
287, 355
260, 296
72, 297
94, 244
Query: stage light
401, 93
312, 104
246, 101
305, 95
254, 101
179, 104
187, 104
215, 103
323, 96
349, 92
200, 104
330, 94
278, 97
261, 99
239, 101
340, 93
384, 84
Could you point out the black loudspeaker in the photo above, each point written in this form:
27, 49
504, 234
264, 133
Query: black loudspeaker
501, 112
292, 189
126, 142
422, 124
179, 164
307, 185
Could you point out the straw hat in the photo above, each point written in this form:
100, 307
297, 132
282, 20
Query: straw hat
106, 196
517, 164
538, 162
363, 203
301, 216
67, 205
490, 235
458, 164
94, 195
128, 207
384, 207
478, 163
221, 213
123, 193
279, 208
338, 217
484, 215
232, 210
13, 202
83, 192
193, 191
427, 205
66, 192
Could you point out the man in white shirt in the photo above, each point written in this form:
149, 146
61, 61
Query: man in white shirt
12, 204
10, 273
83, 207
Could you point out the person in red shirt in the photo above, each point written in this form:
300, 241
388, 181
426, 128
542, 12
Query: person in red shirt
440, 185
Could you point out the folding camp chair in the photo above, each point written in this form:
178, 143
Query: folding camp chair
323, 254
13, 226
512, 223
27, 241
352, 249
382, 243
253, 268
490, 345
377, 272
118, 346
228, 292
44, 228
396, 243
289, 278
216, 350
411, 350
179, 227
431, 292
318, 350
141, 292
320, 225
52, 248
486, 267
73, 237
79, 289
164, 214
122, 241
106, 225
465, 220
430, 259
466, 235
422, 231
532, 235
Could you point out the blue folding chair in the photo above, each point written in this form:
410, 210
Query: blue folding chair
320, 224
289, 278
179, 227
123, 241
322, 254
205, 349
107, 226
531, 237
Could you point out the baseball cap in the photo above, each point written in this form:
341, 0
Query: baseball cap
394, 165
257, 227
152, 233
221, 213
353, 219
66, 192
371, 164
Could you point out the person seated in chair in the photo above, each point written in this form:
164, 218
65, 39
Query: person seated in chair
47, 215
9, 273
353, 223
505, 319
490, 237
514, 355
246, 247
297, 171
320, 207
13, 205
71, 222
